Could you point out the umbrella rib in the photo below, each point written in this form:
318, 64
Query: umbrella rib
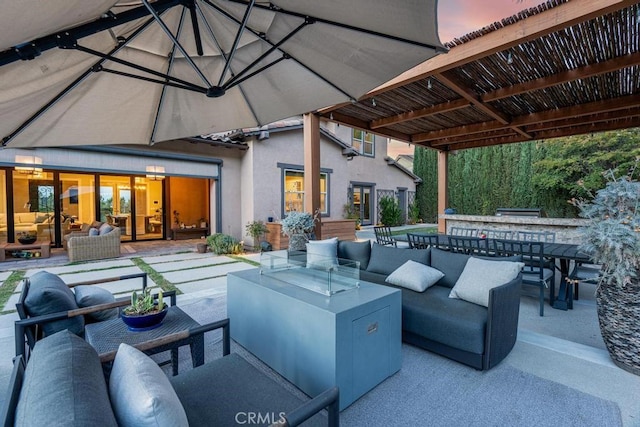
68, 88
175, 42
259, 70
149, 79
221, 51
273, 48
288, 55
172, 57
236, 41
346, 26
110, 57
196, 27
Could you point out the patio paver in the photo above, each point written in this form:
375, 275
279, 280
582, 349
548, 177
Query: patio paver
192, 263
213, 285
205, 272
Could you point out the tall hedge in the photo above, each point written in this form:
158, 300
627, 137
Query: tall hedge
539, 174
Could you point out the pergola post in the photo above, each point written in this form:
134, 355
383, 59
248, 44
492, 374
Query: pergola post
312, 166
443, 192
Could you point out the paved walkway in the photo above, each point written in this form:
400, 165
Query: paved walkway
563, 346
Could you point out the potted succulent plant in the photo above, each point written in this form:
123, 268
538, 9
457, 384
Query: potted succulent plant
612, 239
144, 313
297, 225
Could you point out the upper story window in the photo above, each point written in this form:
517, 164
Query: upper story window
364, 142
294, 191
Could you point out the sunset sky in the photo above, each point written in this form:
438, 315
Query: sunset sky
459, 17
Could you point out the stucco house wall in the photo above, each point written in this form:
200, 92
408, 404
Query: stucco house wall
286, 147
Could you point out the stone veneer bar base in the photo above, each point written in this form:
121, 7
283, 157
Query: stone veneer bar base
566, 229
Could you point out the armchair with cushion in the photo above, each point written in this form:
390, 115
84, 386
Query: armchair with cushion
104, 245
47, 305
64, 384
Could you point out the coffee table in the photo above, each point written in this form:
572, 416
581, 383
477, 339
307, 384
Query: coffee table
351, 339
107, 336
43, 246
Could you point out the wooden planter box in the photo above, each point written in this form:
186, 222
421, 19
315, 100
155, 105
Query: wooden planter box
343, 229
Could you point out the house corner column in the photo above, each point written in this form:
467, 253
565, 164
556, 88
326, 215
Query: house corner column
312, 166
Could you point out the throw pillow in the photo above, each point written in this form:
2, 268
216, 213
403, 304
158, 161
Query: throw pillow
49, 294
104, 229
322, 253
141, 394
90, 295
94, 232
415, 276
64, 385
384, 259
480, 276
96, 224
355, 251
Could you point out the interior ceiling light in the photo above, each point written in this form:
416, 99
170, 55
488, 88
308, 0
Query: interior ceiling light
429, 85
373, 102
155, 173
29, 164
510, 59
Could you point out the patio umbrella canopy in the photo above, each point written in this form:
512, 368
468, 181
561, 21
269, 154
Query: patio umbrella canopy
89, 72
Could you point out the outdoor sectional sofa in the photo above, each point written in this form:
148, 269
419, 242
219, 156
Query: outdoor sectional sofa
469, 333
64, 385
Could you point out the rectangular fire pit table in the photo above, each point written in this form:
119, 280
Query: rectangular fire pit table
106, 337
351, 339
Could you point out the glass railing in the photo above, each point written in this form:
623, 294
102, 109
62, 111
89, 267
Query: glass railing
324, 275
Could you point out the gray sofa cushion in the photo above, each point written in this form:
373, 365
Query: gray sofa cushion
64, 385
368, 276
355, 251
453, 322
385, 260
49, 294
239, 389
451, 264
90, 295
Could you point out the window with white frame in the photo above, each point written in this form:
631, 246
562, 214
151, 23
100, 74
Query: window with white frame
363, 142
294, 191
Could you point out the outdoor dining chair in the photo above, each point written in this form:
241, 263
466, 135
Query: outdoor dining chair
384, 237
533, 273
468, 245
498, 234
538, 236
423, 241
582, 273
463, 231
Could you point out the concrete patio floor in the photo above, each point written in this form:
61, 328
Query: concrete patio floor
563, 346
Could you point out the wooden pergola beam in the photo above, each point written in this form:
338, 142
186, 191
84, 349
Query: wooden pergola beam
556, 19
418, 114
597, 107
585, 72
551, 133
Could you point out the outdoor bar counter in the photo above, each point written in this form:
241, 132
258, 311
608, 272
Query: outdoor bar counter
566, 229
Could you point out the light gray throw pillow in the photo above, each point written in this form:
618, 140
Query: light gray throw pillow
415, 276
480, 276
141, 394
322, 253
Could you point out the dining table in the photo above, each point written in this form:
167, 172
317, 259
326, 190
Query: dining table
562, 253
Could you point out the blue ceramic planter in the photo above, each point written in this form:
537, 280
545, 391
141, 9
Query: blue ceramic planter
144, 322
